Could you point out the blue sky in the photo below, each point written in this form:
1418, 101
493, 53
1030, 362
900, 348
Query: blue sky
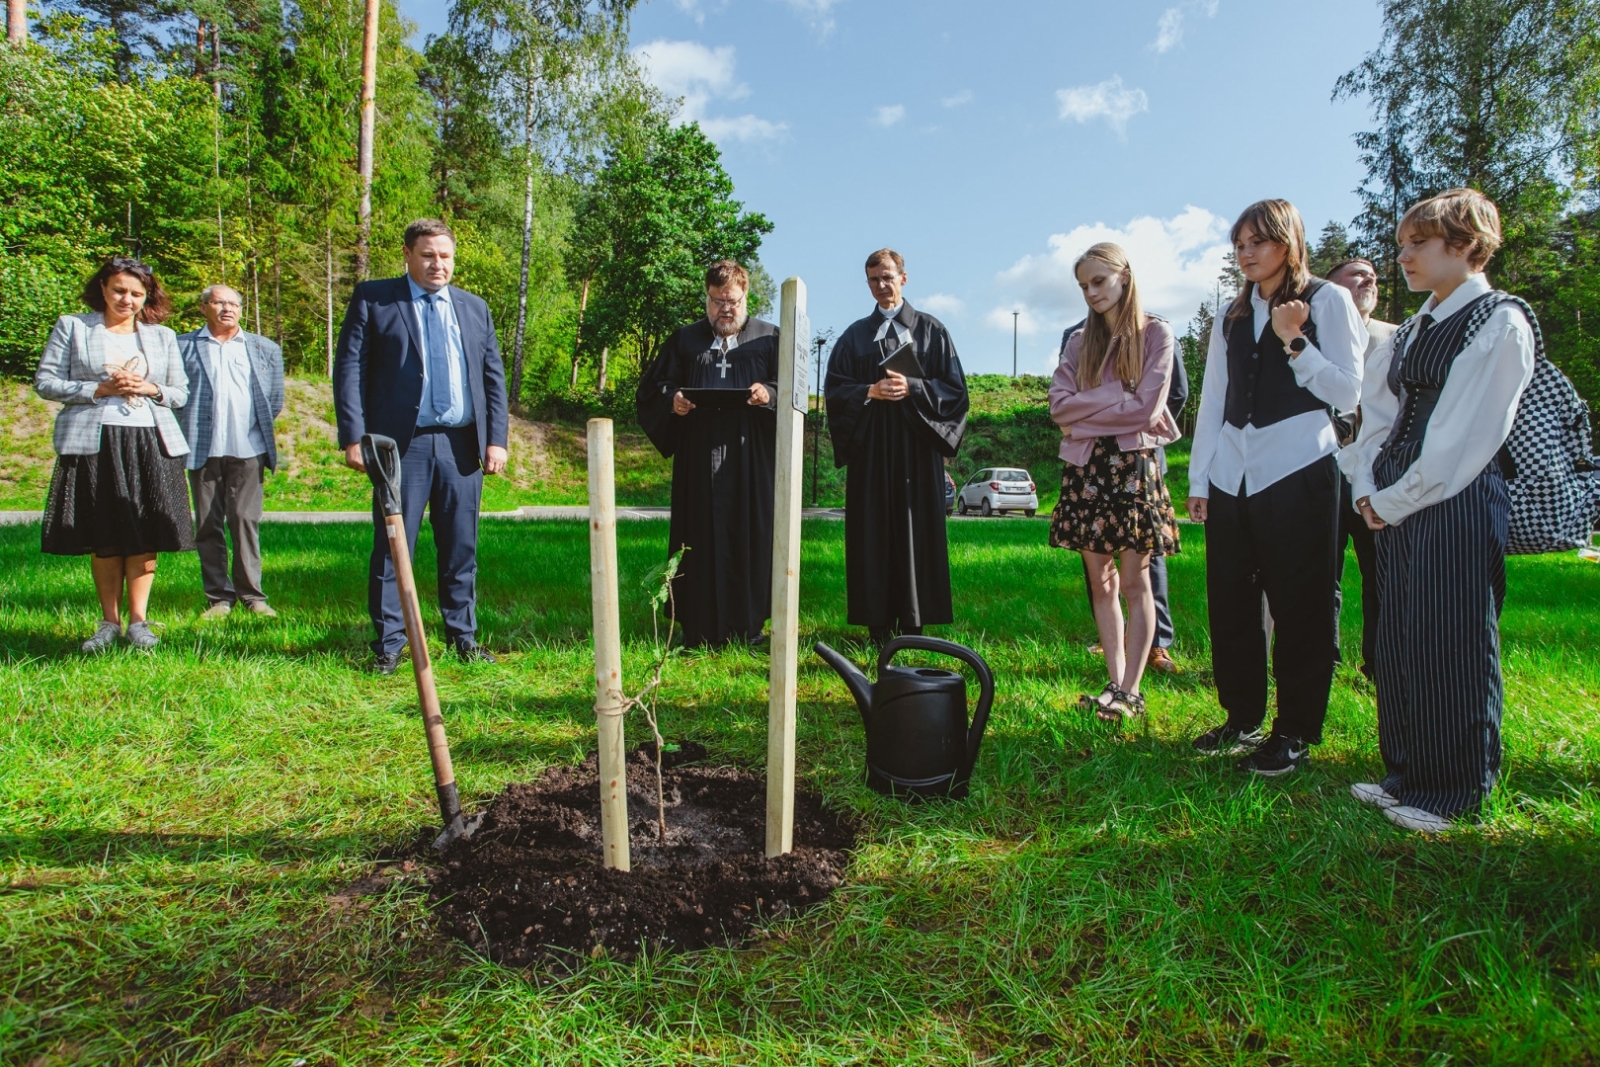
990, 143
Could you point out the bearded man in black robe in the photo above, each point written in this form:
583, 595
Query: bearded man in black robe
893, 432
722, 460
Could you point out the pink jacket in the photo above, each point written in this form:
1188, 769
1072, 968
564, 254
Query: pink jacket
1138, 419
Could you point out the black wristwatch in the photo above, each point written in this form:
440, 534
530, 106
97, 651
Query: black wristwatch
1297, 346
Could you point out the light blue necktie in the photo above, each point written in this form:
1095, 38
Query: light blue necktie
438, 354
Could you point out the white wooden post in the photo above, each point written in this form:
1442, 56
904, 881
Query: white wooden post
609, 704
794, 330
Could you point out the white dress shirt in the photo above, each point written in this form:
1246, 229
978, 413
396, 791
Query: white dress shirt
1472, 420
124, 410
460, 412
1244, 461
233, 416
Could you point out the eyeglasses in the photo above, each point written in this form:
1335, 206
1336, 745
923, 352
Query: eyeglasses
225, 303
725, 305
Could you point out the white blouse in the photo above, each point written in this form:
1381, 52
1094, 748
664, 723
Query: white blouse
1244, 461
123, 410
1472, 420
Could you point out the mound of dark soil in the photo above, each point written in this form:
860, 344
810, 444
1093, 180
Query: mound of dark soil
529, 882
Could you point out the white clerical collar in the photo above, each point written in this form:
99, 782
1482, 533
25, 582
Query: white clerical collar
725, 344
890, 313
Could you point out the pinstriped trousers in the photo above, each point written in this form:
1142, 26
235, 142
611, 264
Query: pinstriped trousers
1442, 573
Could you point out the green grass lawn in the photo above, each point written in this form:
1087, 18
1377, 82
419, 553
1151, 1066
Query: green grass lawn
179, 832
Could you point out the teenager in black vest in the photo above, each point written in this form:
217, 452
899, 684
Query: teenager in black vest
1425, 470
1263, 479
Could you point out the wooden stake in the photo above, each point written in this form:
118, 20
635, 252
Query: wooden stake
609, 703
17, 22
793, 334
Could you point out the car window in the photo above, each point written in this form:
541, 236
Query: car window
981, 476
1013, 476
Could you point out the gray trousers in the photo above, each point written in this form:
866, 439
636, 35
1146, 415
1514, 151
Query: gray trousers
227, 502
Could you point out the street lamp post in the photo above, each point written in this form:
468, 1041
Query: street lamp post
1014, 315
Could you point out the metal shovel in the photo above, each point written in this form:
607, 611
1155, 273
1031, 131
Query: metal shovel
382, 457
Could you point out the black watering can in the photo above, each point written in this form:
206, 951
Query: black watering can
918, 741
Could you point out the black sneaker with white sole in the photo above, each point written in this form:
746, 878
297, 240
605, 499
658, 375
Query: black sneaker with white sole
1280, 755
1228, 740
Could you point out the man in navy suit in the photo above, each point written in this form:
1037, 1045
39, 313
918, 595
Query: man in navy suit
418, 362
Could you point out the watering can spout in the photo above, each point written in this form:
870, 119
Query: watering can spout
857, 682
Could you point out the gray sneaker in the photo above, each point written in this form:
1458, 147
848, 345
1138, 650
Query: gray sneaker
141, 636
104, 637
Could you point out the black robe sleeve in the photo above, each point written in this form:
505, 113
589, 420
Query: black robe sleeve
851, 372
939, 399
653, 399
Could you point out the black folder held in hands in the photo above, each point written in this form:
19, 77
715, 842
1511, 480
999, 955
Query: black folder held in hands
717, 398
902, 360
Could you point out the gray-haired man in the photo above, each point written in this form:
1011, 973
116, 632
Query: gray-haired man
236, 390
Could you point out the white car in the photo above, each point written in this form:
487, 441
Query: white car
996, 489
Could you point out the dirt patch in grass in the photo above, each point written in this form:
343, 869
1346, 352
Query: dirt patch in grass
529, 885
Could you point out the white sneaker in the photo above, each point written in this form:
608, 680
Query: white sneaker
1374, 794
1424, 822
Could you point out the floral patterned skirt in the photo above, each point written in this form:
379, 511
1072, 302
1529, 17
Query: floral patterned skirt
1115, 502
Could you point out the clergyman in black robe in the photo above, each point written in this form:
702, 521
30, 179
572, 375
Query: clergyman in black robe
722, 462
893, 432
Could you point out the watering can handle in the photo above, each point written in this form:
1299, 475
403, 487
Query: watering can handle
382, 458
980, 717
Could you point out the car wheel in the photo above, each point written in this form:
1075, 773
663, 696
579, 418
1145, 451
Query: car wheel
985, 509
961, 505
1031, 512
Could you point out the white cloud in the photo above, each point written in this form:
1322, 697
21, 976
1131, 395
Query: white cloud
743, 128
697, 75
963, 97
694, 9
817, 13
1108, 100
1175, 261
889, 114
941, 304
1170, 26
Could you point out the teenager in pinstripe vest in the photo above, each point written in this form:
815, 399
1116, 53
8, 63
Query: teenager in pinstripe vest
1439, 402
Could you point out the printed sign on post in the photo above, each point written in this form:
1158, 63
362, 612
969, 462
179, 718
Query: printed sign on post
802, 347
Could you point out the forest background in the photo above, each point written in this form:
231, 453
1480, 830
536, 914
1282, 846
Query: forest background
217, 139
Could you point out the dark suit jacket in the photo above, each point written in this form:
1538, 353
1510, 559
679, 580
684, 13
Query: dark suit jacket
377, 372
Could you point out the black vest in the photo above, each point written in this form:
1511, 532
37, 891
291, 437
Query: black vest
1262, 388
1418, 374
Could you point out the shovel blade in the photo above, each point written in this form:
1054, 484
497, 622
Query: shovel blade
459, 829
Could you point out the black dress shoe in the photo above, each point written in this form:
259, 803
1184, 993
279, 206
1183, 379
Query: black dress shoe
759, 641
472, 652
386, 662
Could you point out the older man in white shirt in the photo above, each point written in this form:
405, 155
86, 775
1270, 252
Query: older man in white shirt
237, 392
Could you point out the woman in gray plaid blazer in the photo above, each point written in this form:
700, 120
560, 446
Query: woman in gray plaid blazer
118, 493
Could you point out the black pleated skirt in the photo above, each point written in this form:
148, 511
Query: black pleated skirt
128, 499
